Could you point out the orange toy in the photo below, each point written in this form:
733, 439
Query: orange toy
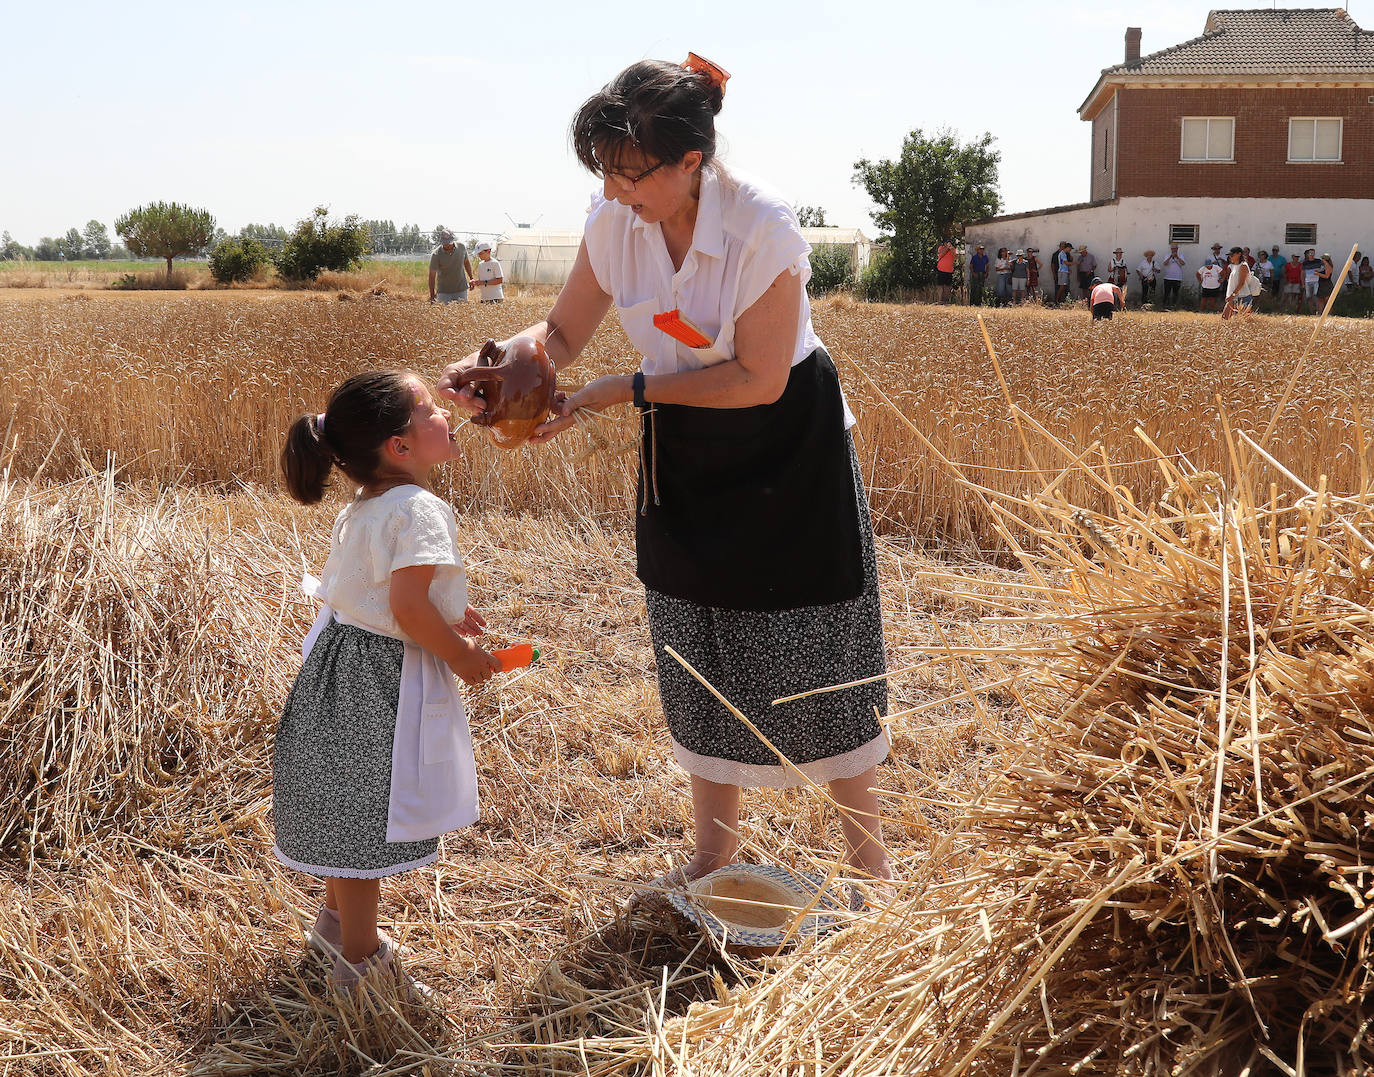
522, 654
680, 327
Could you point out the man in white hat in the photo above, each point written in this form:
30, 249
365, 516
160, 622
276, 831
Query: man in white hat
488, 275
449, 270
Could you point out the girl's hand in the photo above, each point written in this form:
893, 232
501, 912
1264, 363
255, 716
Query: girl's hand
472, 665
604, 392
472, 623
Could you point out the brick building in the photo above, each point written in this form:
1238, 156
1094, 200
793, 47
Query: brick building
1260, 131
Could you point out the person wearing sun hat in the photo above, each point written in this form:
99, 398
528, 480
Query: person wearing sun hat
1116, 269
1087, 269
753, 536
1020, 274
489, 277
449, 270
1147, 272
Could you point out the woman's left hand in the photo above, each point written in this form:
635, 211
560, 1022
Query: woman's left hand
605, 391
472, 624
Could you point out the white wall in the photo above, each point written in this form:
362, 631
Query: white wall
1137, 223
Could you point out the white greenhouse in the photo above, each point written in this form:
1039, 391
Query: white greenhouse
540, 256
860, 246
535, 256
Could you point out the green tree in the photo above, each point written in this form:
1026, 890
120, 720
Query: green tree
47, 250
317, 245
11, 250
71, 246
95, 240
237, 259
166, 230
811, 216
832, 267
924, 194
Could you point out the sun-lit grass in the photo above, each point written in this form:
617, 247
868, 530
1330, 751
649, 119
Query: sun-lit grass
185, 389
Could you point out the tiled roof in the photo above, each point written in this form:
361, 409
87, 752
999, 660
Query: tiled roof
1265, 41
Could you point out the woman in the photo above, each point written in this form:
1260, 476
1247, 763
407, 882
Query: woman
1002, 267
1146, 272
753, 537
1366, 273
1241, 286
1324, 279
1116, 269
1209, 285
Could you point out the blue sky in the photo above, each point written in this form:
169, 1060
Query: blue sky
457, 113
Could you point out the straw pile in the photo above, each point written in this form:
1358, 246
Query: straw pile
126, 643
1174, 873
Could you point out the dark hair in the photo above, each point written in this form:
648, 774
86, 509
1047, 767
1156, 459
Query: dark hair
1097, 280
1234, 250
361, 414
659, 108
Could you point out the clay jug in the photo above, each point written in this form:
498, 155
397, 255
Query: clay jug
517, 383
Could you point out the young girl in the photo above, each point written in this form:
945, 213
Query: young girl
373, 760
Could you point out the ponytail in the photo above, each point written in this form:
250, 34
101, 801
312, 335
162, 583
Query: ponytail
306, 461
362, 414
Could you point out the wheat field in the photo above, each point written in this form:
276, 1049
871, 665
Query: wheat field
196, 389
150, 616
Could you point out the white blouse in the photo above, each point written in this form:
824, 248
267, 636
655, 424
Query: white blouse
404, 527
745, 235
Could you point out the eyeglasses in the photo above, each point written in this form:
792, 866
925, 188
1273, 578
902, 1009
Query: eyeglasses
630, 182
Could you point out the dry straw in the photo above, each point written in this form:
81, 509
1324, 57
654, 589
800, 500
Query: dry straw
1130, 809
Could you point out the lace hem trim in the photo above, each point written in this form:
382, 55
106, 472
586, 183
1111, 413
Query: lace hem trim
353, 873
762, 776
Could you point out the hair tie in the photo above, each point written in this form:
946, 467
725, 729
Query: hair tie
717, 74
319, 424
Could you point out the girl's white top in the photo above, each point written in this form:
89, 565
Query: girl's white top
745, 236
404, 527
433, 773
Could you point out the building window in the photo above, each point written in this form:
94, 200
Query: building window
1314, 138
1208, 138
1299, 235
1106, 148
1184, 233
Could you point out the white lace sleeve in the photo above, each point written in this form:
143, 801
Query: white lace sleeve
421, 531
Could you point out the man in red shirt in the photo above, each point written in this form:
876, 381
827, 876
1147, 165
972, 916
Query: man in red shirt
944, 269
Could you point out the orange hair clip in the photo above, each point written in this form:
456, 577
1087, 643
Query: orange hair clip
679, 327
719, 76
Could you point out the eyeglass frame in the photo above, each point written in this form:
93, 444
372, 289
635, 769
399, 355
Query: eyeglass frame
633, 181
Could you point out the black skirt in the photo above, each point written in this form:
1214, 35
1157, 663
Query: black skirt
753, 657
758, 562
752, 508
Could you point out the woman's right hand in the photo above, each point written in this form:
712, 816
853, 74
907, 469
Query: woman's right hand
464, 397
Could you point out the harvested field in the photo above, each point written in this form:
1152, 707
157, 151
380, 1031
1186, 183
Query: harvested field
223, 377
1130, 809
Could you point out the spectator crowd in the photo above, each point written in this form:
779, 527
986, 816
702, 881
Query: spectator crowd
1293, 281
